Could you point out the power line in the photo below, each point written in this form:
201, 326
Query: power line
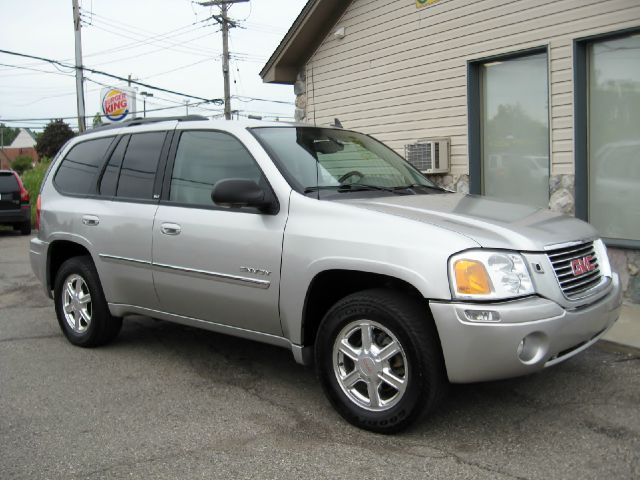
246, 99
117, 30
216, 101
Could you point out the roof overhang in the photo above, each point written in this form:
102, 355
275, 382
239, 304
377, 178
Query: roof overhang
307, 32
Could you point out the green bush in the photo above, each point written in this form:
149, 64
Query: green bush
32, 179
21, 164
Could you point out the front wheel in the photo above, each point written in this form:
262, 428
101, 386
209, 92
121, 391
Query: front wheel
379, 360
82, 311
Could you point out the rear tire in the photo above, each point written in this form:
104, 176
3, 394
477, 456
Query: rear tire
368, 384
82, 311
25, 228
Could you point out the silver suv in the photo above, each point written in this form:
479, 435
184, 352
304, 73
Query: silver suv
323, 241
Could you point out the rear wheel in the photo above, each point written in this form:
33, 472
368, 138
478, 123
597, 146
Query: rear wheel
379, 360
82, 311
25, 228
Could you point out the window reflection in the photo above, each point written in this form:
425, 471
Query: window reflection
515, 130
614, 137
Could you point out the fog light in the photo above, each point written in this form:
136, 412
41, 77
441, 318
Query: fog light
486, 316
532, 348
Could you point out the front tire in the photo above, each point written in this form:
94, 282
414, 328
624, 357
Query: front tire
379, 360
82, 311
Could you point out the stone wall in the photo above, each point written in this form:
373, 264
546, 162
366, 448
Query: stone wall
456, 183
300, 90
627, 264
562, 194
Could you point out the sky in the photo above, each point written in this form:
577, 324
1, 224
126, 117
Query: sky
172, 44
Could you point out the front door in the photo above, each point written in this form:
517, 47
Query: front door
209, 263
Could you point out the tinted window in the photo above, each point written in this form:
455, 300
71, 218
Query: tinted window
139, 166
109, 180
78, 170
8, 183
204, 158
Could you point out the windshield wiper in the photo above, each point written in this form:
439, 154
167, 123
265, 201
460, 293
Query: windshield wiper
418, 185
349, 187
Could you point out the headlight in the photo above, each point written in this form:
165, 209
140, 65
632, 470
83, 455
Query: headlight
485, 275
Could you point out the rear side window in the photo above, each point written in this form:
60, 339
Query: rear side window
78, 170
109, 181
8, 182
138, 171
204, 158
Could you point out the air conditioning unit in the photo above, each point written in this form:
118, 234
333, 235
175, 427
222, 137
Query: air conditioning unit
429, 155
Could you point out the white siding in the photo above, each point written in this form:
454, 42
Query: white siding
400, 72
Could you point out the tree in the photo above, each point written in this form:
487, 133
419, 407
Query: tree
55, 135
8, 134
21, 164
97, 120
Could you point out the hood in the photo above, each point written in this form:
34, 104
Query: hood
491, 223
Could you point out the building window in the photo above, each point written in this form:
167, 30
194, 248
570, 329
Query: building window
512, 117
613, 136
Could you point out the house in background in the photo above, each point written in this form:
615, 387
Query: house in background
537, 101
5, 163
23, 145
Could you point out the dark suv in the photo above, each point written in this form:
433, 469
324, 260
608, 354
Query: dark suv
14, 202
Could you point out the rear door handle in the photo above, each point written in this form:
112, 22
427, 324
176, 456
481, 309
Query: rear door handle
170, 228
90, 220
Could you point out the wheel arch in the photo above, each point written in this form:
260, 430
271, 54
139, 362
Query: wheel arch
59, 251
329, 286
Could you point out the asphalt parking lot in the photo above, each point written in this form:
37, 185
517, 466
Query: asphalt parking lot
167, 401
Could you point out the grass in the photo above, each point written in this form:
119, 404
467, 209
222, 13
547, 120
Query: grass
32, 179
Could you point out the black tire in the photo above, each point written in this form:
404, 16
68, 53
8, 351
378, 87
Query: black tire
103, 327
409, 320
25, 228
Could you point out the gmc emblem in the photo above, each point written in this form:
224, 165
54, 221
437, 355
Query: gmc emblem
580, 266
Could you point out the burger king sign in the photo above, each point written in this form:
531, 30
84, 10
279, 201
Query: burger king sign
117, 104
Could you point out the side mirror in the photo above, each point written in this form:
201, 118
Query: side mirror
242, 192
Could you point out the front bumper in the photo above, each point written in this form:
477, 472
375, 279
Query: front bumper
475, 352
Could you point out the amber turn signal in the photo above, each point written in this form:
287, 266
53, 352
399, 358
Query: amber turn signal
472, 278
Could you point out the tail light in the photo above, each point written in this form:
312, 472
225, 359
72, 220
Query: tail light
24, 194
38, 209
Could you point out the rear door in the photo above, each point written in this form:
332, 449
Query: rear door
118, 219
210, 263
9, 192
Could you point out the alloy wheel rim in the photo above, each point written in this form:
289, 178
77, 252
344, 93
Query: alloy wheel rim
370, 365
76, 303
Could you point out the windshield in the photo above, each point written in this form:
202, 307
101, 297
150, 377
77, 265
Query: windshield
314, 159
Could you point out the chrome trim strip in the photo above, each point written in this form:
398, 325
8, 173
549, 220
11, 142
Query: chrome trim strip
115, 258
223, 277
121, 309
569, 244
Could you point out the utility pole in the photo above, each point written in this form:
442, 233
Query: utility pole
79, 76
225, 24
225, 61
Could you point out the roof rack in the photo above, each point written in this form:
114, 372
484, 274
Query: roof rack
144, 121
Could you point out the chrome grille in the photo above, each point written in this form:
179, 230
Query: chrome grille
575, 286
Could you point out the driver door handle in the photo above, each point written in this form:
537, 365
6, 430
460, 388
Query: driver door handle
170, 228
